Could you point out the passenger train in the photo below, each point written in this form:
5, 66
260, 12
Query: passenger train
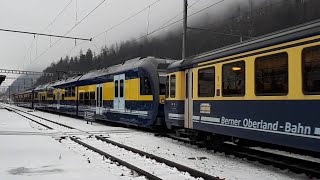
266, 89
132, 93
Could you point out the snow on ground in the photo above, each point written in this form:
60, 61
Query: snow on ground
216, 164
25, 154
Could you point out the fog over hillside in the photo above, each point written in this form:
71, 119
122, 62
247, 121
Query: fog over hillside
220, 25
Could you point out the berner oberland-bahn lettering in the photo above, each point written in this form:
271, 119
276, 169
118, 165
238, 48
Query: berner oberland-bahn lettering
287, 127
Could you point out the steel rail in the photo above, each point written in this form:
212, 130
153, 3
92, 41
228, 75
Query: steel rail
180, 167
30, 119
124, 163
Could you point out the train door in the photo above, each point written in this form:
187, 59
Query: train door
58, 99
119, 93
99, 99
188, 103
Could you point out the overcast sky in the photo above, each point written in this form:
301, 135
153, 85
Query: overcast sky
36, 15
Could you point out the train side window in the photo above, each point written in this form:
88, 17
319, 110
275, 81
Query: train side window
187, 85
93, 98
145, 87
233, 79
116, 91
206, 82
167, 87
121, 88
162, 85
73, 91
81, 98
192, 85
86, 98
271, 75
311, 70
173, 86
101, 97
67, 92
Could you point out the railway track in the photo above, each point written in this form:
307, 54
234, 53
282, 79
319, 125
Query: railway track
297, 165
282, 161
143, 163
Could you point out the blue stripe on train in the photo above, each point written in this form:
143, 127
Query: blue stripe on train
174, 107
291, 123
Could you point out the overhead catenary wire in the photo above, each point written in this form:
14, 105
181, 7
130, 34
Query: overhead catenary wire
175, 22
30, 47
57, 16
140, 11
227, 19
177, 15
70, 30
125, 20
44, 34
158, 29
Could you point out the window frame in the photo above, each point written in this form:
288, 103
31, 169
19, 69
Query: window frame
244, 78
81, 98
264, 58
175, 85
121, 86
116, 89
303, 52
142, 86
214, 84
167, 95
92, 99
186, 84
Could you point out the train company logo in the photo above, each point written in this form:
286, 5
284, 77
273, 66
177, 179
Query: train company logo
205, 108
287, 127
281, 127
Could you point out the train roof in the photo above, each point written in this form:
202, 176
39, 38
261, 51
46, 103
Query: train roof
41, 87
66, 82
24, 92
290, 34
127, 65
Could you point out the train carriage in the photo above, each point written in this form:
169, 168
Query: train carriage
23, 99
266, 89
66, 92
131, 93
40, 99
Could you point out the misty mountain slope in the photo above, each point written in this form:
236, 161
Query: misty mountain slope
244, 18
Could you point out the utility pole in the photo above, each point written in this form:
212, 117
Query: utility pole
184, 38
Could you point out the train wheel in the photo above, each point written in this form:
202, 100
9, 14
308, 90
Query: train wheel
214, 142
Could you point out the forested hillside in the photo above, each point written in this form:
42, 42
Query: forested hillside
212, 32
